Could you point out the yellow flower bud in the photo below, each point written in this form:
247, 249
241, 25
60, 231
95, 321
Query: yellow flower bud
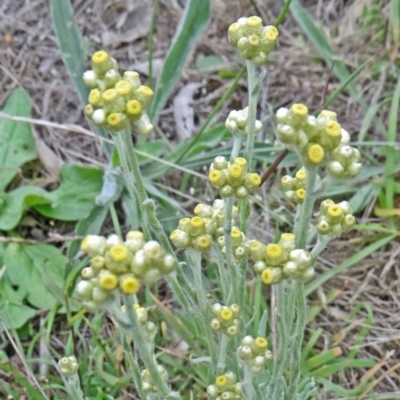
267, 276
299, 110
108, 281
315, 153
123, 88
130, 285
226, 314
221, 381
95, 98
216, 179
119, 253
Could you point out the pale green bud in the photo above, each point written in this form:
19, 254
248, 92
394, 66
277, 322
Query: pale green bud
84, 289
226, 191
259, 267
133, 78
143, 125
111, 77
68, 365
308, 274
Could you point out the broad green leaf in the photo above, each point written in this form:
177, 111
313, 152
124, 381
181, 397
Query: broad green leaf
112, 187
12, 309
14, 203
17, 145
72, 51
75, 197
191, 26
38, 270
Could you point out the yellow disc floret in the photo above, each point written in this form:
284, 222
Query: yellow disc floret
335, 211
133, 107
236, 234
273, 251
226, 314
287, 236
255, 179
123, 88
299, 109
114, 119
267, 276
221, 381
94, 97
203, 243
300, 193
235, 171
196, 222
333, 129
301, 174
315, 153
146, 91
240, 161
271, 33
100, 57
261, 342
110, 95
254, 40
214, 176
253, 22
119, 253
130, 285
108, 281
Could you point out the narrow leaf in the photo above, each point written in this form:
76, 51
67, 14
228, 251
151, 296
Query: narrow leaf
191, 26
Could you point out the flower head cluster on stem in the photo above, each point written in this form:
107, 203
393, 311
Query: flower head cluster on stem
226, 387
254, 353
318, 139
226, 319
253, 40
116, 100
120, 265
277, 261
233, 178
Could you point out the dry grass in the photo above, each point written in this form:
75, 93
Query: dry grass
30, 58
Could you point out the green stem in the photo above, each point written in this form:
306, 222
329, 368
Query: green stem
248, 383
150, 42
233, 268
145, 351
222, 275
124, 148
133, 365
195, 257
301, 229
253, 100
283, 331
302, 224
114, 219
320, 245
136, 188
223, 344
237, 144
74, 385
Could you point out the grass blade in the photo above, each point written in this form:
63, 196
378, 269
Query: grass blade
391, 152
192, 25
313, 285
72, 50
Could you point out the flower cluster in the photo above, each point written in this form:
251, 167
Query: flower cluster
344, 162
116, 101
240, 248
149, 328
237, 122
275, 262
68, 366
317, 139
335, 218
116, 264
295, 188
226, 319
198, 232
253, 40
254, 353
226, 387
233, 178
147, 381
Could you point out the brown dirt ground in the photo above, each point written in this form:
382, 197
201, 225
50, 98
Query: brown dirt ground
30, 58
